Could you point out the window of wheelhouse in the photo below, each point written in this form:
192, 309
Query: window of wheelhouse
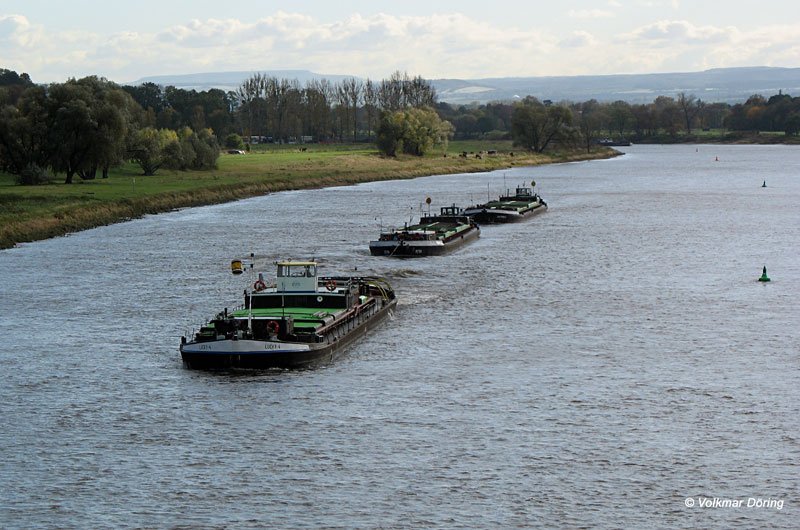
297, 271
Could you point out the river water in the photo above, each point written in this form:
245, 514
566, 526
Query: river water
605, 364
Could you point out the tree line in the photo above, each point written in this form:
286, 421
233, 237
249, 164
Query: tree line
589, 121
87, 126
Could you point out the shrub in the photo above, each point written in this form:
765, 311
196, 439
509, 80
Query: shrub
234, 141
32, 175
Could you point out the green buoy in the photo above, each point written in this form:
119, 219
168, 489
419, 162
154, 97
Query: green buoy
764, 277
764, 185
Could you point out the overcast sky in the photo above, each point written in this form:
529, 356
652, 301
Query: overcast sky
124, 41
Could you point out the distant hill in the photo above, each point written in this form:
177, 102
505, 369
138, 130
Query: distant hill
729, 85
230, 80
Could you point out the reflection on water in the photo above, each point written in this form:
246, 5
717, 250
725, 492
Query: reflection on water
592, 367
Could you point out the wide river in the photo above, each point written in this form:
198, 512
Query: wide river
613, 362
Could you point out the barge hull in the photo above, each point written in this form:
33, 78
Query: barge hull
316, 354
412, 249
500, 216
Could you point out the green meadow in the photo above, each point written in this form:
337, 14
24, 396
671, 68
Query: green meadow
30, 213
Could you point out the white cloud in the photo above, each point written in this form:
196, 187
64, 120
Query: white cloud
579, 39
589, 13
436, 45
669, 32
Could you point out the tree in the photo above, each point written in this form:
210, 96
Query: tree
71, 126
351, 92
148, 96
534, 126
792, 127
391, 132
153, 148
620, 117
713, 115
590, 121
412, 131
668, 114
88, 121
206, 149
690, 106
424, 131
24, 148
316, 99
370, 106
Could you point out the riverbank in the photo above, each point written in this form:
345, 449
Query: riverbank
31, 213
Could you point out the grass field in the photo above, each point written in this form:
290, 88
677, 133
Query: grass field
29, 213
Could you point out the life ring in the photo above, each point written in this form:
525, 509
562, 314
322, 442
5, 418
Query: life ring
259, 285
273, 326
330, 285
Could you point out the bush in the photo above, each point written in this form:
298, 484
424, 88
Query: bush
234, 141
32, 175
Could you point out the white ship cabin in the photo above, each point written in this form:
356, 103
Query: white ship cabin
524, 192
297, 277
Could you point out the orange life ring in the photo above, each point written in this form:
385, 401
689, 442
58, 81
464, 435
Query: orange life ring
259, 285
330, 285
273, 326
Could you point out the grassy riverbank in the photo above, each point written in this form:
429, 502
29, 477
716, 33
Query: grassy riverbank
30, 213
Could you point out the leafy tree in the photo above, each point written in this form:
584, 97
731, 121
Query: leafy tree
206, 149
713, 115
620, 117
424, 131
12, 85
590, 121
23, 135
391, 132
535, 126
148, 95
412, 131
72, 126
88, 122
153, 148
792, 127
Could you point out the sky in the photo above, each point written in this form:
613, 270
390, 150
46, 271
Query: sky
54, 40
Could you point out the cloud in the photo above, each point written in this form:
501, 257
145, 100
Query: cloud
578, 39
669, 32
17, 31
434, 46
589, 13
